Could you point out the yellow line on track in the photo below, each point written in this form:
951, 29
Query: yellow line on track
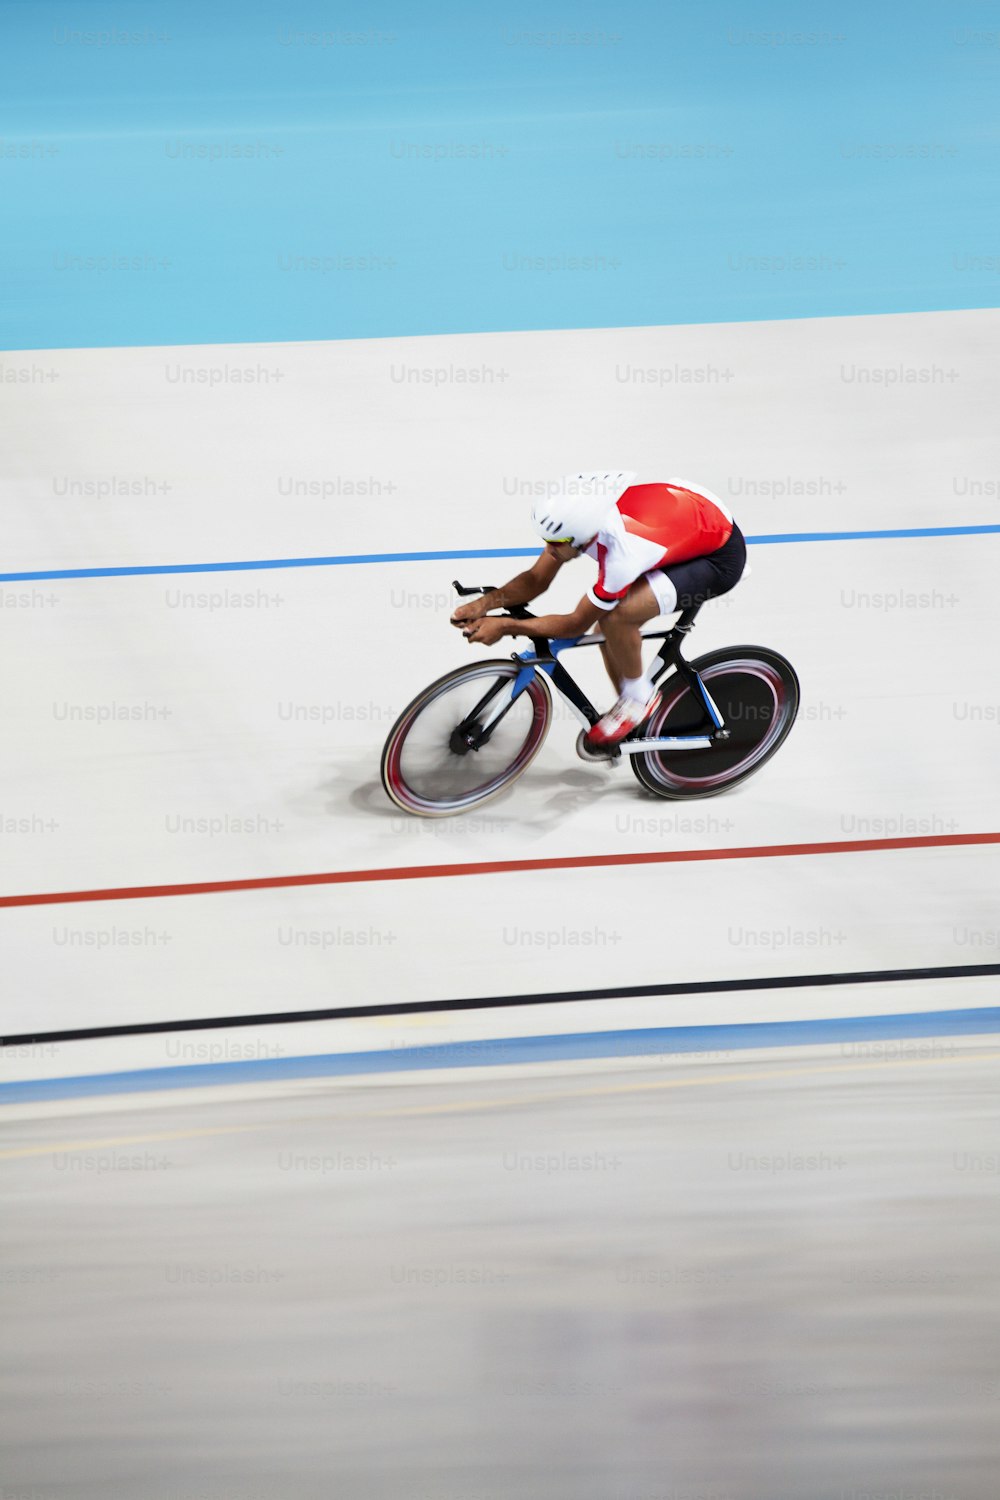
679, 1083
466, 1106
124, 1140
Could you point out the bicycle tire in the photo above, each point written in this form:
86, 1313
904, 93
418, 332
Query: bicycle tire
398, 780
758, 697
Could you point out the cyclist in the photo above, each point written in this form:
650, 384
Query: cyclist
659, 548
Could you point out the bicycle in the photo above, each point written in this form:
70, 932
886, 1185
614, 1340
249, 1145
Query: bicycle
473, 732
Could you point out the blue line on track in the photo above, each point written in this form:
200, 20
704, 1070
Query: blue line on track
351, 559
491, 1052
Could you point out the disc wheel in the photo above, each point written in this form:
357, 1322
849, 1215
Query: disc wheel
428, 769
757, 693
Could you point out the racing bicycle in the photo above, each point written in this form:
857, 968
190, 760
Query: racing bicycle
473, 732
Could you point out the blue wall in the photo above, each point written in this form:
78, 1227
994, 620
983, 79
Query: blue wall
185, 172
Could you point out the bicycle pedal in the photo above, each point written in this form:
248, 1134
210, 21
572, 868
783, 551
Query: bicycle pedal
610, 757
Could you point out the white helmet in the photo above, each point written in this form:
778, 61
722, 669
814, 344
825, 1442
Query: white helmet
573, 510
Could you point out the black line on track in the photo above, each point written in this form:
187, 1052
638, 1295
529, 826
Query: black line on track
498, 1002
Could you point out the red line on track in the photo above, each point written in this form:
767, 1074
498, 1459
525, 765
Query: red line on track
499, 867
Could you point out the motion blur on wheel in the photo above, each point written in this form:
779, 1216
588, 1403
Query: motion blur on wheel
444, 757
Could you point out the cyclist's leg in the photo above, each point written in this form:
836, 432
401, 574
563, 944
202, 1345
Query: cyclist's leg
607, 656
663, 591
637, 605
621, 627
637, 697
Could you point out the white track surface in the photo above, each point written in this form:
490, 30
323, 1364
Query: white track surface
899, 731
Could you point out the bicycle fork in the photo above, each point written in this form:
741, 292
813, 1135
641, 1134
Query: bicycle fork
473, 732
470, 734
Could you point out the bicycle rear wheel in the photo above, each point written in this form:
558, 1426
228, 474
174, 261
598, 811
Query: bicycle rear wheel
757, 693
426, 770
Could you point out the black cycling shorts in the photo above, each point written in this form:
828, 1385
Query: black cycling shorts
702, 578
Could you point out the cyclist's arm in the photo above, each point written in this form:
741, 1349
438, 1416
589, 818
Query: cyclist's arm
557, 627
520, 590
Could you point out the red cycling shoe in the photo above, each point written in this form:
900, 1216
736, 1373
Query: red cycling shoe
620, 721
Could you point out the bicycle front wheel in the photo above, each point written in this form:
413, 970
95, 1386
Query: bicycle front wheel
426, 767
757, 693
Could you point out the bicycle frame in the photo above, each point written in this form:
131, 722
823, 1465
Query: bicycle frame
544, 657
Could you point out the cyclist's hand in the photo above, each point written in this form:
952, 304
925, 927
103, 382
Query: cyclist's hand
485, 632
474, 610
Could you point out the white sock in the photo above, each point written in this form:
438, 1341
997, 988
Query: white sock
639, 689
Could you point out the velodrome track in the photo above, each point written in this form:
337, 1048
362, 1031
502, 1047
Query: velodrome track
728, 1276
221, 725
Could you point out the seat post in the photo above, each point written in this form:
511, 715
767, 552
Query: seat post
686, 619
669, 654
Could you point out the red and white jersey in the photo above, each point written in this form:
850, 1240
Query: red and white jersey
652, 526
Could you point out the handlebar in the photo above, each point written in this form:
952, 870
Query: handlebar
514, 611
477, 588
